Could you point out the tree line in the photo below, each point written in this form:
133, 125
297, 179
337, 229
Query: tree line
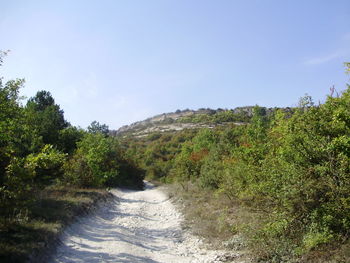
39, 148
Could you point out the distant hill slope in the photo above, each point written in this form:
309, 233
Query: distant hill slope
190, 119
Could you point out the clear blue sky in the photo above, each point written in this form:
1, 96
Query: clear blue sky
122, 61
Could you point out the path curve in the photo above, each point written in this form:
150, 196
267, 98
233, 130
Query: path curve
138, 226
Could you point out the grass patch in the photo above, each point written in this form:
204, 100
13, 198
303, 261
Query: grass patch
212, 216
39, 226
235, 226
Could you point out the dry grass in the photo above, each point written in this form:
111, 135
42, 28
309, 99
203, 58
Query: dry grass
228, 224
39, 227
212, 216
334, 253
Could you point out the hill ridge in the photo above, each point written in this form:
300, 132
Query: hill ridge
182, 119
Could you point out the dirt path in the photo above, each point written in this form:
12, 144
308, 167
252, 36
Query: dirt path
139, 226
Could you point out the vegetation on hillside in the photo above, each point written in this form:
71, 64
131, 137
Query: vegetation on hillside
216, 117
291, 167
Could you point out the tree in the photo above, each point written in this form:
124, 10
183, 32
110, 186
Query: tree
69, 137
45, 117
96, 127
11, 123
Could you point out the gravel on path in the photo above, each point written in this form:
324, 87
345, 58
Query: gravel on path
138, 226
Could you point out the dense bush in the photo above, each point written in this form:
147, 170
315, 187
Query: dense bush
98, 162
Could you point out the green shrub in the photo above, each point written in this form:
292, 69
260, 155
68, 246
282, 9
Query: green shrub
46, 165
313, 239
98, 161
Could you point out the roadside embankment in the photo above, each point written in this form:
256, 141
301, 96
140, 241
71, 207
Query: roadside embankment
34, 234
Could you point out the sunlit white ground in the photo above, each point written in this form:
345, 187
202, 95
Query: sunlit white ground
138, 226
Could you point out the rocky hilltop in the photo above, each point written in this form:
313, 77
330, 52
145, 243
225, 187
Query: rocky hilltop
182, 119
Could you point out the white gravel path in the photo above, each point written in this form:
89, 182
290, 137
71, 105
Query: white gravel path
139, 226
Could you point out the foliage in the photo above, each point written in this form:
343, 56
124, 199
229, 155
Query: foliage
156, 153
96, 127
98, 162
217, 117
46, 165
38, 146
45, 117
68, 139
11, 123
24, 176
292, 166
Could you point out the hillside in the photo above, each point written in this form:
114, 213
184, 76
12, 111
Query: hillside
277, 185
192, 119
